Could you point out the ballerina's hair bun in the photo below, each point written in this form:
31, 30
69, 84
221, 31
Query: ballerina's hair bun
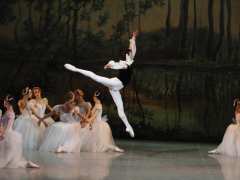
236, 102
79, 92
26, 91
69, 96
9, 99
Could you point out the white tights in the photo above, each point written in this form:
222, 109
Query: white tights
114, 85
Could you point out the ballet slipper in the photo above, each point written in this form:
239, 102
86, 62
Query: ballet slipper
32, 165
117, 149
130, 131
213, 151
60, 150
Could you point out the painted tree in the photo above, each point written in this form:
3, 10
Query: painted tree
168, 18
221, 29
18, 22
183, 23
229, 28
193, 50
210, 41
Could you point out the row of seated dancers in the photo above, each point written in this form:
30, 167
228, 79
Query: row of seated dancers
81, 127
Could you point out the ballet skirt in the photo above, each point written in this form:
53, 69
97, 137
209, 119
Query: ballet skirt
230, 144
27, 125
11, 145
99, 138
64, 134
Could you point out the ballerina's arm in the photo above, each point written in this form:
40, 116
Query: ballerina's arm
129, 58
47, 104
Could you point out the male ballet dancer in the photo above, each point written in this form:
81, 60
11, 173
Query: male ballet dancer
117, 83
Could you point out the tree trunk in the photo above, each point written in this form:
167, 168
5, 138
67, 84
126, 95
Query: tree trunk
194, 29
168, 18
59, 11
137, 97
139, 17
210, 29
47, 18
183, 23
179, 102
229, 28
127, 18
68, 23
30, 25
18, 21
41, 7
221, 29
74, 31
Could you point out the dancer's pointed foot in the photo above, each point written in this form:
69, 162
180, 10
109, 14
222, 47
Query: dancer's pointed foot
30, 164
60, 150
213, 151
117, 149
70, 67
130, 131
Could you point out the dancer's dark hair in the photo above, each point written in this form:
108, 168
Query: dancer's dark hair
69, 96
236, 105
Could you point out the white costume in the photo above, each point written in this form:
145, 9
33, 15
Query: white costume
230, 144
11, 145
99, 138
114, 84
27, 125
64, 135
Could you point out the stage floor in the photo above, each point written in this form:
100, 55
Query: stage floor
141, 161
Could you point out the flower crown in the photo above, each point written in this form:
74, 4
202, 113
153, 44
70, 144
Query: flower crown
25, 91
236, 102
9, 98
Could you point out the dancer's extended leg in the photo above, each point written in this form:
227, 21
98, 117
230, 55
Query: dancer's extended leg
117, 98
110, 83
114, 86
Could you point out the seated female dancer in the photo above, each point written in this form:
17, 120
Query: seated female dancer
231, 140
99, 137
63, 136
27, 123
11, 141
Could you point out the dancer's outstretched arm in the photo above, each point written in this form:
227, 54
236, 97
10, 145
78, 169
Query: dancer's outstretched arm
132, 45
129, 57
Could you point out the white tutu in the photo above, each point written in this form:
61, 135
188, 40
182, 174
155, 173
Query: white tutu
231, 141
99, 139
65, 134
30, 131
61, 134
11, 151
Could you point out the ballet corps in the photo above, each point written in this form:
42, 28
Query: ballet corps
82, 126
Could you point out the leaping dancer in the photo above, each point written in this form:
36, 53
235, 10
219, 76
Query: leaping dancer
115, 84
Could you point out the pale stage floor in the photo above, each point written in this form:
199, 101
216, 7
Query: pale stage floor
141, 161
